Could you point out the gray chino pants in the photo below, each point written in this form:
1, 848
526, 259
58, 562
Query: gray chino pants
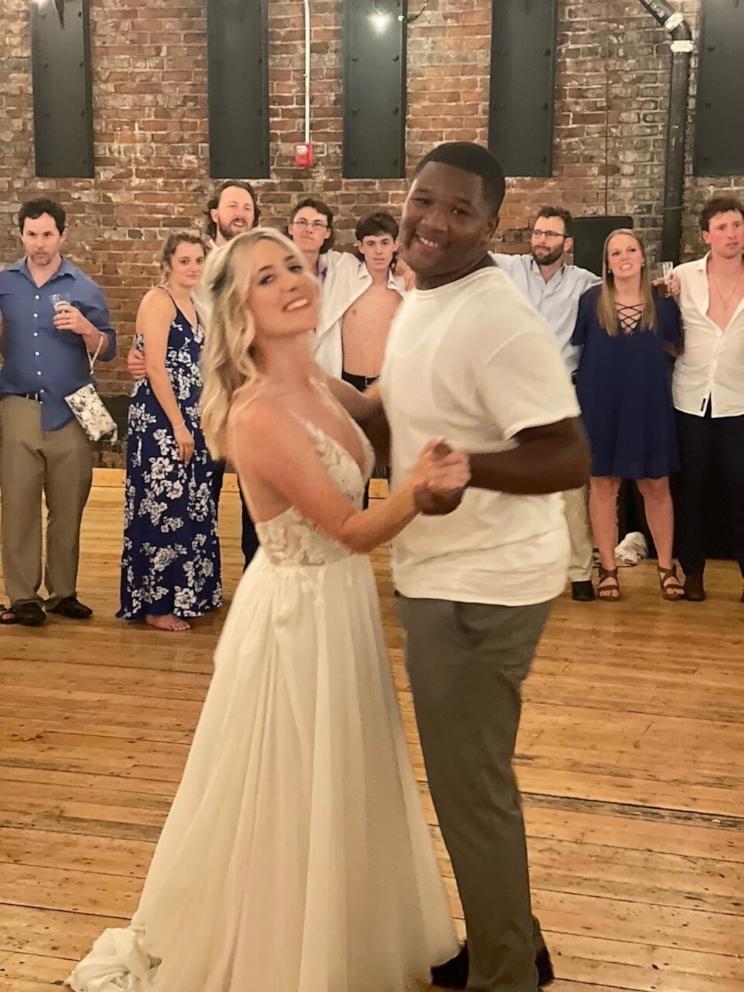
32, 460
466, 663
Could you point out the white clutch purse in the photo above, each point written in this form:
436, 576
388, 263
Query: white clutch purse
90, 410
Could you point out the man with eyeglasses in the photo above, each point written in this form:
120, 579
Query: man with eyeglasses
311, 228
554, 288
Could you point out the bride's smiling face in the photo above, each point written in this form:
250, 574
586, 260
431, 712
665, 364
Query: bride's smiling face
283, 295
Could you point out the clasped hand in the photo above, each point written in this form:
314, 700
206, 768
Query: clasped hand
440, 476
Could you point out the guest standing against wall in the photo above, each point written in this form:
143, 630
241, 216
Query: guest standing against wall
709, 388
55, 319
554, 286
231, 210
626, 334
171, 559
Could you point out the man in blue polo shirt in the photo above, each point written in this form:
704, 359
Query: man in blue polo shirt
53, 318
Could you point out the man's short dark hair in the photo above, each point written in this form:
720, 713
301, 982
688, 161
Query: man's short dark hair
33, 209
214, 201
719, 205
564, 215
476, 159
320, 207
373, 225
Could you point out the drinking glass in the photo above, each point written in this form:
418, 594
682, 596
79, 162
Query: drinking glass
59, 300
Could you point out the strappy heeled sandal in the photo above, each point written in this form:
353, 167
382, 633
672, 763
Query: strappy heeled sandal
671, 588
609, 593
7, 616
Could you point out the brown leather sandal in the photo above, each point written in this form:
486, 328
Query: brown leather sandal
7, 616
671, 588
609, 593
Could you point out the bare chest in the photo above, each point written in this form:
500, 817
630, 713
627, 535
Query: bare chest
723, 299
365, 327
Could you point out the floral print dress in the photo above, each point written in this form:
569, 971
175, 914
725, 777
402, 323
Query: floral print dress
171, 555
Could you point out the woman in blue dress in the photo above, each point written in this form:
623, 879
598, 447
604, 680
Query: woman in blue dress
626, 336
170, 566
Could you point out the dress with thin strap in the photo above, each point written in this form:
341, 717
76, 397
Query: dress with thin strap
624, 388
296, 857
171, 554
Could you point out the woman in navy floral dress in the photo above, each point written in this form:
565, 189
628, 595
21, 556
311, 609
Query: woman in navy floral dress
170, 566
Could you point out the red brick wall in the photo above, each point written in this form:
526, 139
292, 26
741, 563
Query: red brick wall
149, 100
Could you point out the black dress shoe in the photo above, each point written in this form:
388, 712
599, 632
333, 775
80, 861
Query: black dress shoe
582, 592
453, 974
29, 614
545, 973
694, 588
72, 608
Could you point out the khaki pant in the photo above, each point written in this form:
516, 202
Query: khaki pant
59, 464
580, 534
467, 662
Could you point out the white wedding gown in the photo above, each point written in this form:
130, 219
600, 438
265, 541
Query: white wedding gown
295, 857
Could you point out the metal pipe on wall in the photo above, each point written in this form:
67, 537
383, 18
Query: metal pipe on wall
306, 9
679, 84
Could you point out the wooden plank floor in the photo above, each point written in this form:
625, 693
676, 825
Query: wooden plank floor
630, 758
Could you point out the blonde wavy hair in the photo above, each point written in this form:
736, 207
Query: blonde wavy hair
606, 312
227, 361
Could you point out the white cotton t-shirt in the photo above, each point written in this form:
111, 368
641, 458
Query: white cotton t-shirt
474, 363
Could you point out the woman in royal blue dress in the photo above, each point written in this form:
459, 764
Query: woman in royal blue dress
170, 566
626, 335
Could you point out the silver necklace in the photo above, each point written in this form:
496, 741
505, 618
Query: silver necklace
726, 300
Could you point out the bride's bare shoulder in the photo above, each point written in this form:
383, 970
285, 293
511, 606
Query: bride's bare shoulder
258, 422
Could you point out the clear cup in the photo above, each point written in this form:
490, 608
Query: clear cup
59, 300
666, 270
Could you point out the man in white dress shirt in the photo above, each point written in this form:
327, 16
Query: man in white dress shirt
554, 288
469, 360
708, 387
359, 298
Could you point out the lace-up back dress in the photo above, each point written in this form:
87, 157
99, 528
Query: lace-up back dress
295, 857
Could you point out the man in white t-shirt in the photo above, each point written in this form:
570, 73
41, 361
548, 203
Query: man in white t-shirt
468, 359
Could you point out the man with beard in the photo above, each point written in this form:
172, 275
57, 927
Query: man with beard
469, 360
554, 288
232, 210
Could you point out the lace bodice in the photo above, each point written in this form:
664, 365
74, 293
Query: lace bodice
290, 539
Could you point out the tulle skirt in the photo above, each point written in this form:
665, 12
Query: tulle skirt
295, 857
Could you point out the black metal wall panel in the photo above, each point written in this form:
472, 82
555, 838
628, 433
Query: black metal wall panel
238, 88
60, 65
719, 132
523, 43
374, 89
589, 238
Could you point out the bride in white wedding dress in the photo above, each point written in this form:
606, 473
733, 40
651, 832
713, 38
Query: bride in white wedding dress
295, 857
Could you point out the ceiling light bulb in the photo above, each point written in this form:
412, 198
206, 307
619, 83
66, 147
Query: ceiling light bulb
379, 21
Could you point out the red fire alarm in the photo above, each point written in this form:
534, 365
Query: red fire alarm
304, 155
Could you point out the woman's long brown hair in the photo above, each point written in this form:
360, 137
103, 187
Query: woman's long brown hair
606, 312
